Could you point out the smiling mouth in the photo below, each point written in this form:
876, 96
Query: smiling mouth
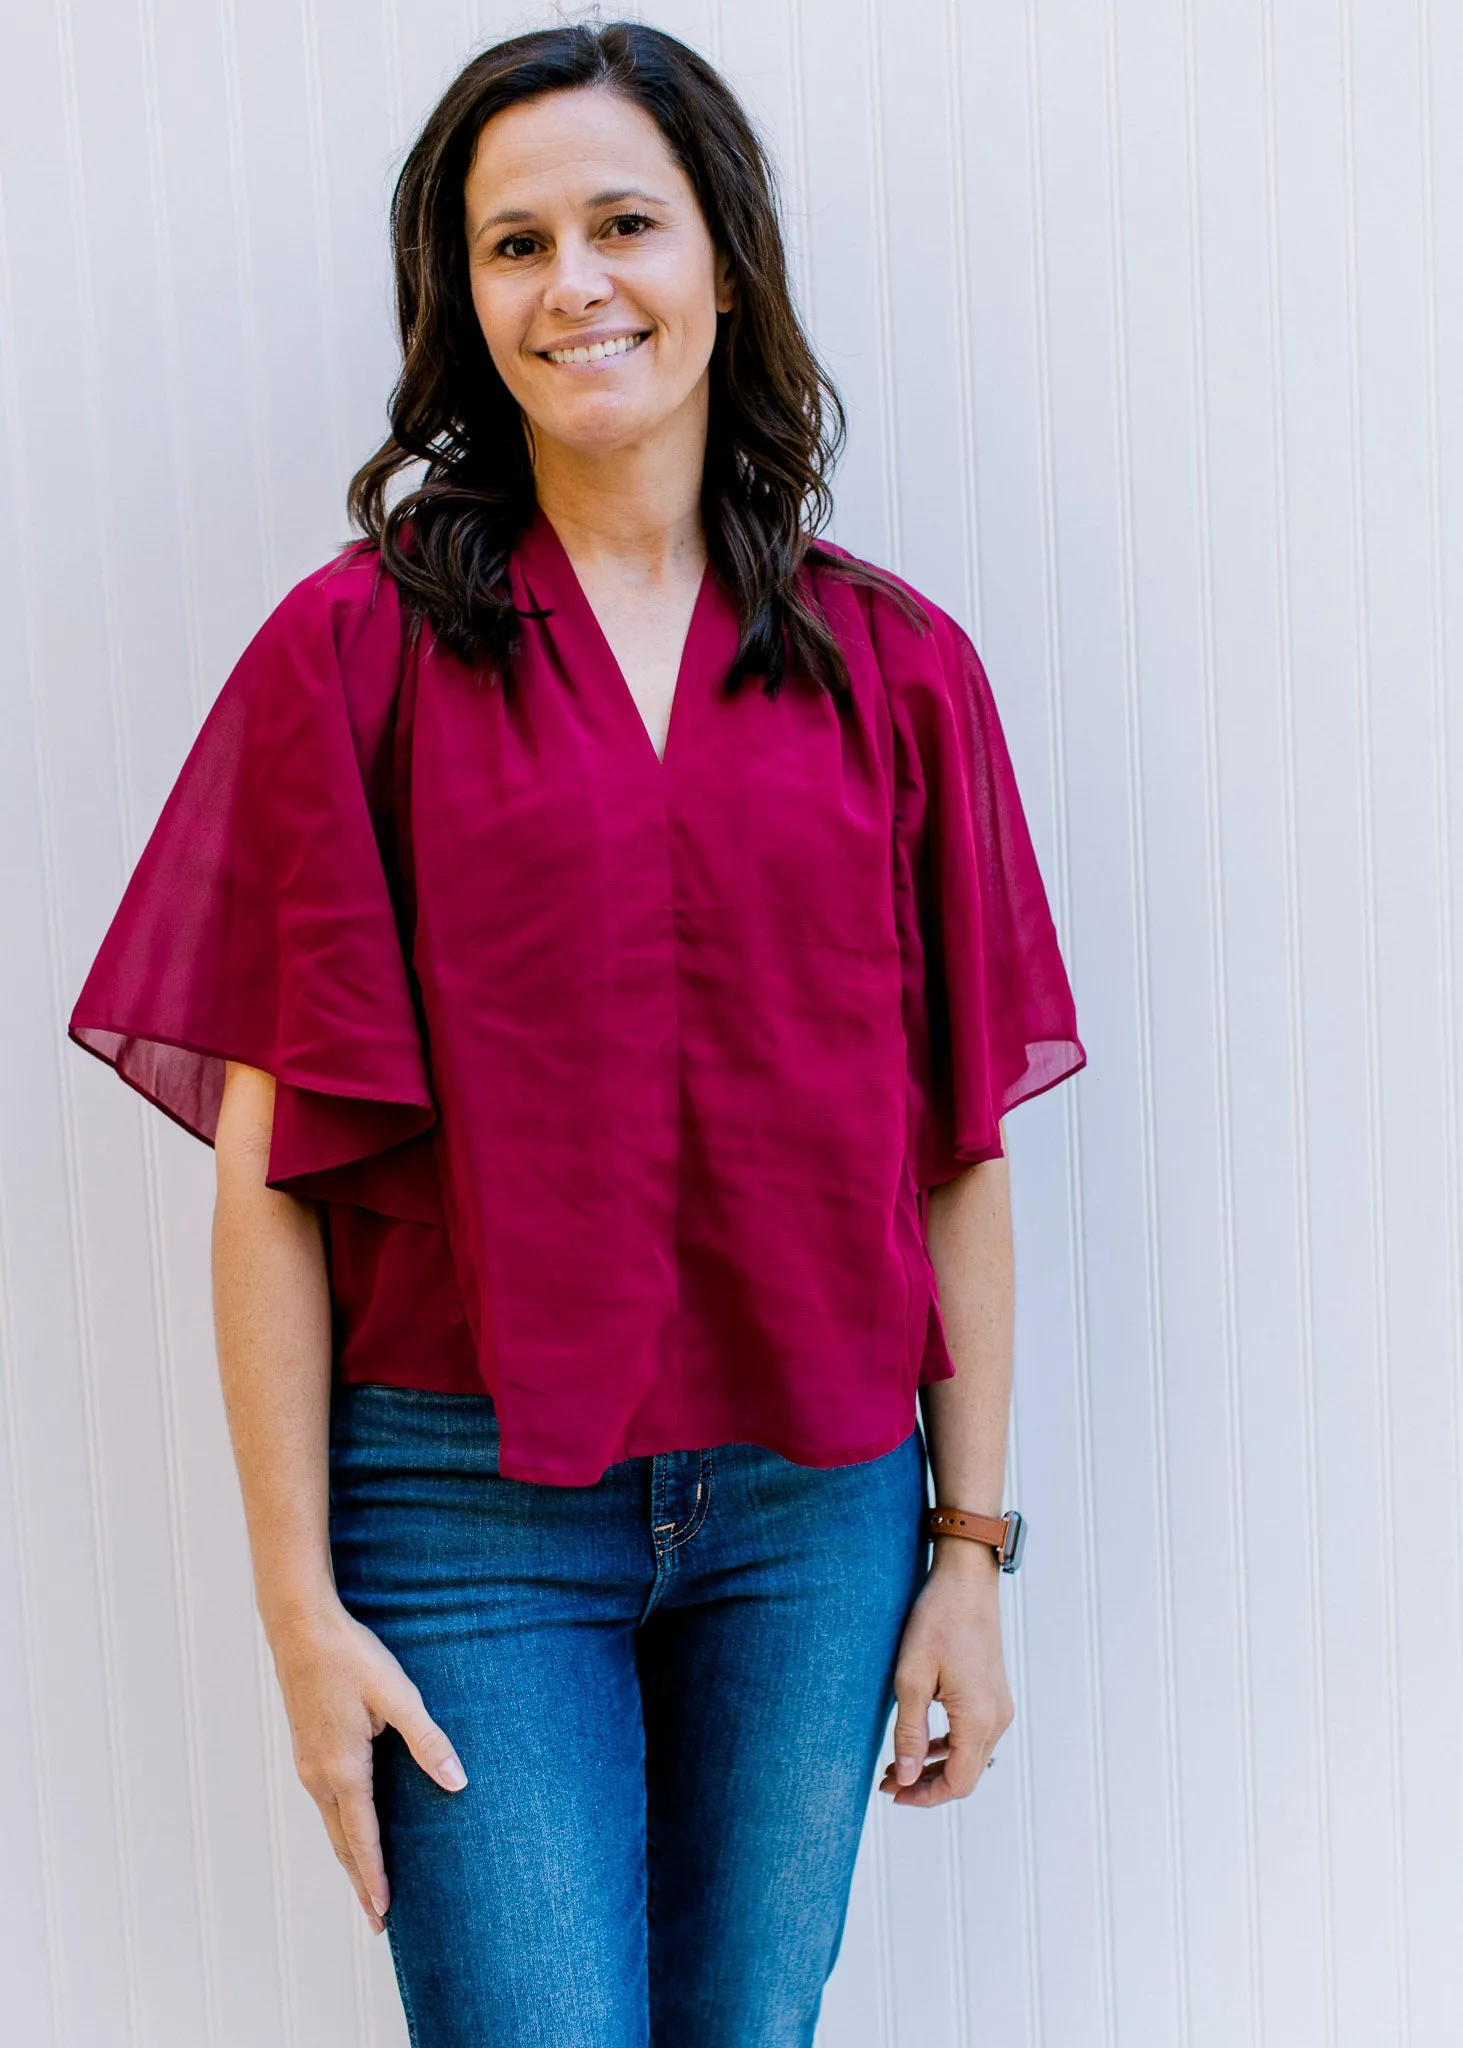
597, 352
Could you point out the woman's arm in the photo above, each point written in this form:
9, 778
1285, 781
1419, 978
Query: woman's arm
952, 1640
271, 1302
272, 1318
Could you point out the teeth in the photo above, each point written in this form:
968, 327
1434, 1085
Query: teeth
597, 351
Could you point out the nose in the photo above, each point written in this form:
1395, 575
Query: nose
577, 281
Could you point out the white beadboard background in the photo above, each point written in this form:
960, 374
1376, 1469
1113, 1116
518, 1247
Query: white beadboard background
1149, 316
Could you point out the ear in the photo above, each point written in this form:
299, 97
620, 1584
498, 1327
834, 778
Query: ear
726, 285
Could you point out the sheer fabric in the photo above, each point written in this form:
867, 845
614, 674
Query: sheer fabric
620, 1078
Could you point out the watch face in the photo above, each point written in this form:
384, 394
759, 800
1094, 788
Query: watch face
1015, 1541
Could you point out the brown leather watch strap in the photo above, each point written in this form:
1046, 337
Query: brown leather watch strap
979, 1528
1004, 1533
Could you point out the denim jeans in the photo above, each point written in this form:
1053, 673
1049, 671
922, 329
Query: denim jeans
668, 1691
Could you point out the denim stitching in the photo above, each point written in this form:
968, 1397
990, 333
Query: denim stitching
411, 2026
701, 1509
652, 1900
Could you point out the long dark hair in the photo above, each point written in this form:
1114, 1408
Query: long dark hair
776, 424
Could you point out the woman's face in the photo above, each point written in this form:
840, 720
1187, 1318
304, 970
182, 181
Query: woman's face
584, 233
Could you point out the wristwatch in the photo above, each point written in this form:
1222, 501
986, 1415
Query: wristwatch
1006, 1534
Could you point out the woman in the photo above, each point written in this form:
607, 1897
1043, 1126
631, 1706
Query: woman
598, 931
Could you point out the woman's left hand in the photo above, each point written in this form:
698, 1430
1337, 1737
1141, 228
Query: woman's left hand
950, 1650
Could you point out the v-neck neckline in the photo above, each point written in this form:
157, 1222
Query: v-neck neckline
542, 533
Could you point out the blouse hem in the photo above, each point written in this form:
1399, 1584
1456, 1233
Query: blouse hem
794, 1450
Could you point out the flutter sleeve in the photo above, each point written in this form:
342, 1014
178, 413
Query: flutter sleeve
259, 925
989, 1015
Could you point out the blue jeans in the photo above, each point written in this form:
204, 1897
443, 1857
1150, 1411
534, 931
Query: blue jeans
668, 1691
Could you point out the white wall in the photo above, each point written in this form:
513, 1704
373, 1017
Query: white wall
1149, 314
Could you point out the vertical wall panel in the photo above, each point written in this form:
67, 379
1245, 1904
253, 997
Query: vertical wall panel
1148, 316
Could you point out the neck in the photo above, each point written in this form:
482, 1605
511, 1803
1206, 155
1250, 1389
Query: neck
637, 508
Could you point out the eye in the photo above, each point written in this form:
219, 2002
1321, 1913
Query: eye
626, 227
515, 245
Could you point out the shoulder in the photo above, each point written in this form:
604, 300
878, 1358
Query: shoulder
890, 602
943, 710
337, 630
344, 598
917, 643
326, 661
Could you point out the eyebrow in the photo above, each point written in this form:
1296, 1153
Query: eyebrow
516, 216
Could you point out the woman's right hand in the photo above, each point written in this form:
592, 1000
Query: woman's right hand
341, 1687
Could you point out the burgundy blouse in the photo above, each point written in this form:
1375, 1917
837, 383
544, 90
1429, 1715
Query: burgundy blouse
619, 1079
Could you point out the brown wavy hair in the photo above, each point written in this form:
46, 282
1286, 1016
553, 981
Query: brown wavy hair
776, 424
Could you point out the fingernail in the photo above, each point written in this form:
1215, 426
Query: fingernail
452, 1775
380, 1905
906, 1769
